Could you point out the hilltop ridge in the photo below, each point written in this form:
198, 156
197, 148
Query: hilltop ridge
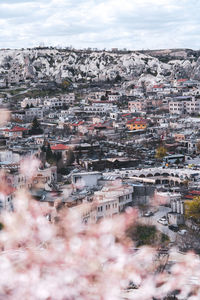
53, 64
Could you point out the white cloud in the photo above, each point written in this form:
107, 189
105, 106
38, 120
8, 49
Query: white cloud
134, 24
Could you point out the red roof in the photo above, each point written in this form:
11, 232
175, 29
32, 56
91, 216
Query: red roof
125, 115
77, 124
137, 121
158, 86
195, 192
60, 147
189, 196
182, 80
99, 125
15, 129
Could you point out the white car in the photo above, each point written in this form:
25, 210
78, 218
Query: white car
182, 231
148, 214
162, 221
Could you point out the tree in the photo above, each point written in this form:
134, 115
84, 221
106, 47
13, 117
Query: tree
35, 127
161, 152
66, 129
59, 161
103, 98
49, 154
117, 78
186, 183
65, 84
80, 153
70, 157
77, 159
192, 209
91, 152
144, 88
198, 147
35, 123
147, 235
65, 106
101, 154
43, 148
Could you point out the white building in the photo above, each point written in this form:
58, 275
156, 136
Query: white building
184, 104
176, 216
3, 83
97, 95
68, 98
114, 97
162, 198
135, 106
31, 101
106, 203
6, 199
100, 108
59, 102
112, 200
33, 112
20, 115
63, 114
9, 157
85, 180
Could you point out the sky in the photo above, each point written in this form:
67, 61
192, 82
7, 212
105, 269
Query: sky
130, 24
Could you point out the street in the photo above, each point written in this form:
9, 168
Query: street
162, 211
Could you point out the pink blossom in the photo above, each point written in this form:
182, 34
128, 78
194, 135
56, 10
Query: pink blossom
29, 166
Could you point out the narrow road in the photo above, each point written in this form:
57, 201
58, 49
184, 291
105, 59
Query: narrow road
162, 211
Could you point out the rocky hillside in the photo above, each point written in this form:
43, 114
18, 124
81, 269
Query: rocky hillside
57, 65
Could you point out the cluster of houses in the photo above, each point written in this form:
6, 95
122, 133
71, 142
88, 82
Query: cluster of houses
98, 147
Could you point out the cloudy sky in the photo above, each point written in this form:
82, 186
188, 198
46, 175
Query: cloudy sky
131, 24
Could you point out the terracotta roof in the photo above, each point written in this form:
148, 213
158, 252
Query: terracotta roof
189, 196
15, 129
60, 147
125, 115
158, 86
195, 192
77, 124
100, 125
137, 121
182, 80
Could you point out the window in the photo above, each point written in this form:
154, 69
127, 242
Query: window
120, 198
77, 178
100, 208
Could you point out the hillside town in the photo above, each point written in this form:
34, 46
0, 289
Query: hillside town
108, 145
99, 150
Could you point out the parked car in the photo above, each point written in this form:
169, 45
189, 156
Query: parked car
182, 231
173, 227
162, 221
148, 214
